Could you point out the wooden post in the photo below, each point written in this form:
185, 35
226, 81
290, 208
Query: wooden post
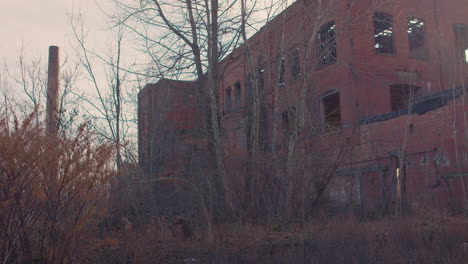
52, 111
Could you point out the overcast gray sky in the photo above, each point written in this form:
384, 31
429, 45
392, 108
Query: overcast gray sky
41, 23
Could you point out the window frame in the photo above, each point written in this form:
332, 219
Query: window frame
282, 70
404, 104
238, 93
296, 73
326, 127
461, 51
323, 45
376, 33
417, 52
228, 98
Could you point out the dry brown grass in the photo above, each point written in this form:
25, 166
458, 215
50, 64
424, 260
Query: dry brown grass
53, 202
428, 238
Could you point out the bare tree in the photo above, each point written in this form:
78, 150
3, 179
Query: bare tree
105, 107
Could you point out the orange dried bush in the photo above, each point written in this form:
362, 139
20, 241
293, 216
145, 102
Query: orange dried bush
51, 190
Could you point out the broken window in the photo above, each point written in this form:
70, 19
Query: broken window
228, 98
281, 71
417, 42
327, 44
296, 64
237, 92
383, 33
331, 111
400, 95
461, 36
261, 81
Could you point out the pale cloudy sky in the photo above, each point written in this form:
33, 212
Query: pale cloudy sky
41, 23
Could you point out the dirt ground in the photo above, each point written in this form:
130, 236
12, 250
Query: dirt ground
427, 239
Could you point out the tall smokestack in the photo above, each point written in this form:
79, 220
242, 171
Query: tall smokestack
52, 115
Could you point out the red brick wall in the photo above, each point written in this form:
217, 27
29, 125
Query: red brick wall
436, 145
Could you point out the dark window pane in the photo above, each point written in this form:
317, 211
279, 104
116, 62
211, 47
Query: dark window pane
461, 35
228, 98
288, 118
417, 45
383, 33
237, 92
261, 81
400, 95
260, 74
327, 44
296, 64
331, 111
281, 80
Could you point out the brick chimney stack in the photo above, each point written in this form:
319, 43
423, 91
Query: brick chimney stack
52, 114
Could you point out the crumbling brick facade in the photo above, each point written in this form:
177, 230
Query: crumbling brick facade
385, 80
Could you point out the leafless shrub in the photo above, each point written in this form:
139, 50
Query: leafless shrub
51, 190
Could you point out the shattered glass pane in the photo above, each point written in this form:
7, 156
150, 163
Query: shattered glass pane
416, 38
383, 33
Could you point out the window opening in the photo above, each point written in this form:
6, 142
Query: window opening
383, 33
416, 37
296, 64
461, 35
288, 117
237, 92
260, 74
261, 81
331, 111
327, 44
281, 80
401, 94
228, 98
249, 88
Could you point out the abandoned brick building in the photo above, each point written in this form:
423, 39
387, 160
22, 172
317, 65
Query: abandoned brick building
382, 83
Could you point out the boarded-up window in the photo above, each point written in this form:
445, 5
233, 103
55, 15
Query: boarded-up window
237, 92
331, 111
416, 37
327, 44
400, 95
228, 98
383, 33
461, 36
